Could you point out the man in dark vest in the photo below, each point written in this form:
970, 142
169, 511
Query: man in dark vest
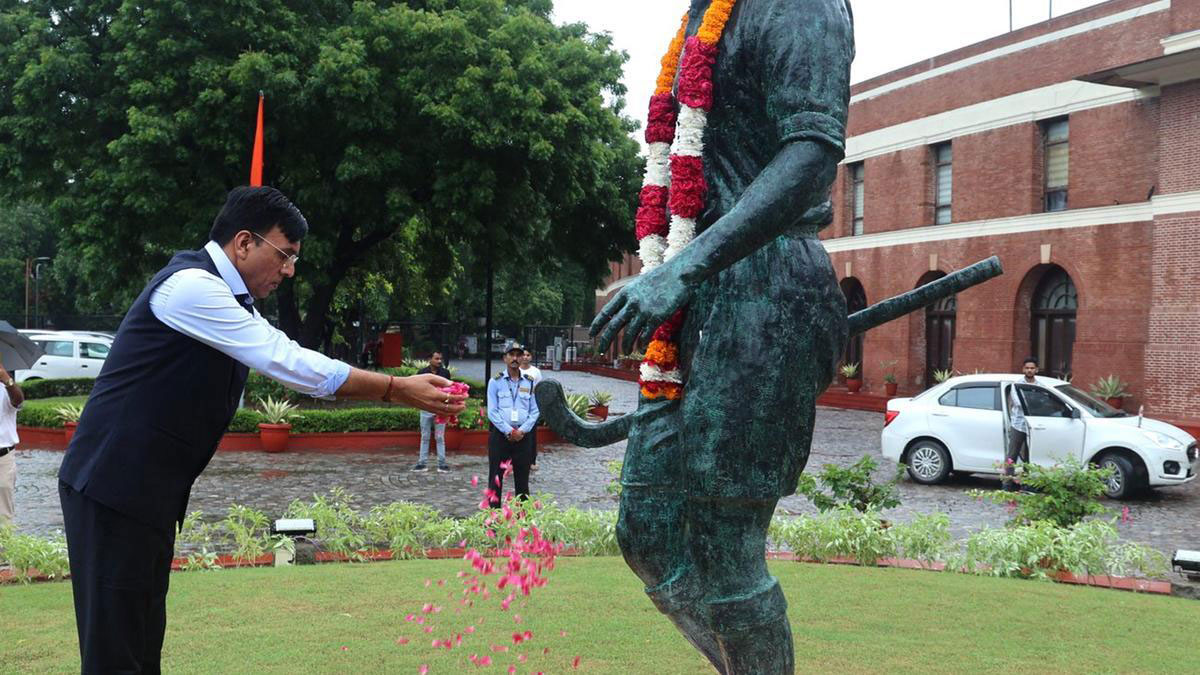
165, 396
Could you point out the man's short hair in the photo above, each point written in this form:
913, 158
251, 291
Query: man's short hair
526, 351
257, 209
437, 352
1029, 359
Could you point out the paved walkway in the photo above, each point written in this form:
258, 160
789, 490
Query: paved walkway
1167, 519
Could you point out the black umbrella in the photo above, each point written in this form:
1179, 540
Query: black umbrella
17, 352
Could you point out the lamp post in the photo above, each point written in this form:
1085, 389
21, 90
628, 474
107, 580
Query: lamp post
37, 277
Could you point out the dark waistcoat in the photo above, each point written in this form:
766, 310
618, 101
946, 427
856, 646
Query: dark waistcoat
154, 418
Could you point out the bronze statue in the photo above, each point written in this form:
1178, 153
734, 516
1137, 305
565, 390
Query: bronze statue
763, 327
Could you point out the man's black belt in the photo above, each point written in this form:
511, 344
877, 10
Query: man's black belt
5, 451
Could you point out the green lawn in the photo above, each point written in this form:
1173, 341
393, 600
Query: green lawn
346, 618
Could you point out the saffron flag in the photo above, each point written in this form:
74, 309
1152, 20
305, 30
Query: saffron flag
256, 161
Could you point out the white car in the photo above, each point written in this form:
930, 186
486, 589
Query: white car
960, 426
66, 355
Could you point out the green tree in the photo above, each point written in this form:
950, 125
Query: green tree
444, 125
25, 233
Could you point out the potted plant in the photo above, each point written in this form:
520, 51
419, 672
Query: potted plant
599, 401
273, 434
69, 414
853, 380
889, 377
578, 404
1111, 389
940, 376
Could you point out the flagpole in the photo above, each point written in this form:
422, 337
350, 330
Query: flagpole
256, 159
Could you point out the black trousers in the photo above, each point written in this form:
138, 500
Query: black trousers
120, 571
500, 449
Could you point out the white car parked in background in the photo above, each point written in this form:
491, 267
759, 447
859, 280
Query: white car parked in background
960, 426
67, 354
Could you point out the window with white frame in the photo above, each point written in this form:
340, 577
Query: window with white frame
943, 183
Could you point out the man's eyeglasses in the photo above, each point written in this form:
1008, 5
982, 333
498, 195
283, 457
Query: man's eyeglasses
288, 258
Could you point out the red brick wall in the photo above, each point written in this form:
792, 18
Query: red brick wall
1044, 65
994, 173
1185, 16
992, 325
1114, 154
1173, 349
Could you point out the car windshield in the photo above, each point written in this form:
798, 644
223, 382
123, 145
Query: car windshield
1090, 403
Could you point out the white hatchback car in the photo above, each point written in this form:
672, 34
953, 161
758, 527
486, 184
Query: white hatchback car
960, 426
66, 355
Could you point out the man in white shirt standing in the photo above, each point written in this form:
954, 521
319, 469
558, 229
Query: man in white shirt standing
1018, 432
11, 398
165, 396
533, 373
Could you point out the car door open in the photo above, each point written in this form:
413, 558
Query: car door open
1056, 429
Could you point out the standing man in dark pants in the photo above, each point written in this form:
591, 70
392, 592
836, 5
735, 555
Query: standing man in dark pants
1018, 426
164, 398
512, 413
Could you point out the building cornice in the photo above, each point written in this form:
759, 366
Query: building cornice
1180, 42
1037, 222
1078, 29
1055, 100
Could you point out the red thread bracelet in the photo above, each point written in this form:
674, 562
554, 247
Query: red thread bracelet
391, 381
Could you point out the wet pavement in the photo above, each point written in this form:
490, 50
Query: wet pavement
1166, 519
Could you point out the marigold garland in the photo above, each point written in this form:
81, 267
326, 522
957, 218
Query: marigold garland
674, 188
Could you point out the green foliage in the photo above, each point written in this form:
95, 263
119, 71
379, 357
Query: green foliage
417, 137
44, 413
1040, 549
851, 486
942, 375
26, 553
614, 466
1109, 387
849, 370
1063, 494
340, 529
69, 412
578, 404
889, 371
838, 532
600, 398
277, 411
67, 386
405, 527
259, 386
250, 531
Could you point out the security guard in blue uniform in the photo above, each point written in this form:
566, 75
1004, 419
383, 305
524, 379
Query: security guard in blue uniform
512, 414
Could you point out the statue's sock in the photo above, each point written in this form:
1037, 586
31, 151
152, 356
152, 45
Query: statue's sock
753, 632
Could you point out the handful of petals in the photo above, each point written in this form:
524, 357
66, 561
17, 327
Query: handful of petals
455, 388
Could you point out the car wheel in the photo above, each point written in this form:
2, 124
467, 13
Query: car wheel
928, 462
1120, 484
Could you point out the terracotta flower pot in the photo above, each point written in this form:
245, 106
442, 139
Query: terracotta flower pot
854, 384
274, 437
69, 430
454, 437
1115, 401
890, 388
600, 411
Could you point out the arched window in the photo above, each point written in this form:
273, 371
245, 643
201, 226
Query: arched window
939, 336
1053, 322
856, 299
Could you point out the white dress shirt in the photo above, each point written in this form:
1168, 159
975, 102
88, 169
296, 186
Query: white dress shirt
8, 420
534, 374
202, 306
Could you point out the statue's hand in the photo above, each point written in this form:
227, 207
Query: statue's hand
641, 306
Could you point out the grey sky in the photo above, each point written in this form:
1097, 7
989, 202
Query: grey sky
890, 34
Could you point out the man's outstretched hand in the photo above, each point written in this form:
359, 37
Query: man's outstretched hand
424, 392
641, 307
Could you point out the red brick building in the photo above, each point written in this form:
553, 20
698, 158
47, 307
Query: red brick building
1070, 149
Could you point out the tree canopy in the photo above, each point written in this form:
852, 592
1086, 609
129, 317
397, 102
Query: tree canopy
413, 135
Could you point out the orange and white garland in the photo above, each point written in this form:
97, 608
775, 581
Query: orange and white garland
674, 189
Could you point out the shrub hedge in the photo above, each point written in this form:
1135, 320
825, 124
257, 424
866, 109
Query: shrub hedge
41, 414
67, 386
